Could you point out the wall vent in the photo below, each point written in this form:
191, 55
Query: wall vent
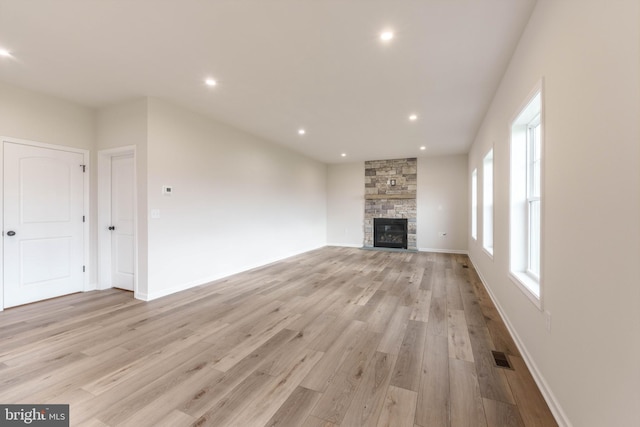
501, 360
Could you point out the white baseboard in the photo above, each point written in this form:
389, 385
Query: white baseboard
444, 251
549, 397
345, 245
172, 290
437, 250
102, 287
142, 296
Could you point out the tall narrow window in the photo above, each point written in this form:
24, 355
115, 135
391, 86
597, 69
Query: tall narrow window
474, 204
487, 202
526, 197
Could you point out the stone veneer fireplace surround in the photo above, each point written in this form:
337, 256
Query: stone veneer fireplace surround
390, 192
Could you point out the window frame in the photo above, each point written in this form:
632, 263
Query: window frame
488, 202
529, 116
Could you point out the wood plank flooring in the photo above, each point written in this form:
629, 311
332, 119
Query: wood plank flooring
333, 337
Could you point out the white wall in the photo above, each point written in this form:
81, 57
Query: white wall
441, 195
588, 53
120, 126
345, 204
38, 117
442, 203
238, 202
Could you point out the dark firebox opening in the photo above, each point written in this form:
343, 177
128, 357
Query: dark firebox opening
390, 233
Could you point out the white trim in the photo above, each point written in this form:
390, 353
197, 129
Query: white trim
543, 202
488, 253
44, 145
538, 88
87, 219
444, 251
181, 287
86, 184
345, 245
104, 216
525, 283
142, 296
557, 411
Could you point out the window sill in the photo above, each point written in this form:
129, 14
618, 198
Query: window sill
488, 251
529, 286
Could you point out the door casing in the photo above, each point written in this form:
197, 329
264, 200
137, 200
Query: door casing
104, 216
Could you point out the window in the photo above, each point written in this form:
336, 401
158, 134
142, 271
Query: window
527, 141
474, 204
487, 202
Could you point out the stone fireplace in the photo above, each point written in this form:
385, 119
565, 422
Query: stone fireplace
390, 192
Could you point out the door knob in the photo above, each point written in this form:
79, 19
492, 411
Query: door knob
111, 227
11, 233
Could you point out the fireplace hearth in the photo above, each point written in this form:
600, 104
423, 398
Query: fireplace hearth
390, 233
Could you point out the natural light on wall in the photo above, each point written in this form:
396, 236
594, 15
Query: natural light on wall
487, 202
526, 197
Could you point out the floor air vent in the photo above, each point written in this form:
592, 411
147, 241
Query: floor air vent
501, 360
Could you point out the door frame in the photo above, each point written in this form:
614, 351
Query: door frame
85, 205
104, 215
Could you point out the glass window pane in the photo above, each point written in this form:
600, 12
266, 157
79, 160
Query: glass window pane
536, 141
535, 179
487, 201
474, 204
534, 238
535, 161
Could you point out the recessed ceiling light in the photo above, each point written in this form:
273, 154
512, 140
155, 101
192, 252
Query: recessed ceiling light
344, 154
423, 148
4, 52
385, 36
413, 117
210, 82
301, 131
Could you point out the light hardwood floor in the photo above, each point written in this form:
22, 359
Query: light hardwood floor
336, 336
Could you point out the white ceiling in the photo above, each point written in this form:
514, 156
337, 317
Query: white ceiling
280, 64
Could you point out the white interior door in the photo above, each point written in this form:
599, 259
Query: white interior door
43, 223
122, 240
